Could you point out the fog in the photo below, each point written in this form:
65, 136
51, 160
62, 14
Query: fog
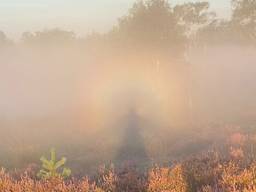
222, 83
122, 96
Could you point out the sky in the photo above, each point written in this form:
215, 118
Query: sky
80, 16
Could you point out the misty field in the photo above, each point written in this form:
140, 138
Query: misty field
164, 101
230, 167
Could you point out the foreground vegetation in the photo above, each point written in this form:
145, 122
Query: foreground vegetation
231, 168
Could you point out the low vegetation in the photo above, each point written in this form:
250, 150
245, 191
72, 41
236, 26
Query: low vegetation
50, 167
229, 169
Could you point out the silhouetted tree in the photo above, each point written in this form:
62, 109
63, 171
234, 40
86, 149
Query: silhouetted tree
162, 29
240, 28
54, 36
151, 25
244, 18
193, 15
3, 39
217, 31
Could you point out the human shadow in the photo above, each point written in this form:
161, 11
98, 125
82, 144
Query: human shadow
132, 149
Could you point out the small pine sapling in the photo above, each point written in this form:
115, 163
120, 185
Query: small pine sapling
50, 168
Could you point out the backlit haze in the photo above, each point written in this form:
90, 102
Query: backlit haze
111, 81
80, 16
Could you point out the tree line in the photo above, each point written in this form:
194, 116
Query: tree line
161, 27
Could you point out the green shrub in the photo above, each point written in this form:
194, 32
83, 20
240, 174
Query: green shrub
50, 168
